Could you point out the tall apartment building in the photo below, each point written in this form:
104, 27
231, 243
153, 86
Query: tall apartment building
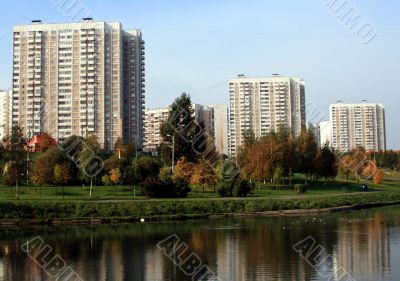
358, 125
264, 104
324, 133
79, 79
5, 113
153, 118
221, 128
204, 115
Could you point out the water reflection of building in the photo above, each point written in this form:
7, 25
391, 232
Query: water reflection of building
229, 264
258, 256
153, 260
363, 247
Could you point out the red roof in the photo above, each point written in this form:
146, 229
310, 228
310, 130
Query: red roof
37, 141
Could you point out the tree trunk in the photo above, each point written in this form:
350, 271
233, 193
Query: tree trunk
16, 188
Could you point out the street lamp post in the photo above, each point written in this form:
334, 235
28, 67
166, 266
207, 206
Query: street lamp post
173, 152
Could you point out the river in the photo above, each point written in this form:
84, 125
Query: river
358, 245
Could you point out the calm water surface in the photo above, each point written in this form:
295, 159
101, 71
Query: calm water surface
363, 244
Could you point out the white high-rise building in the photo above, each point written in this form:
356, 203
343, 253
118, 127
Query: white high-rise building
79, 79
152, 127
5, 113
221, 128
261, 105
358, 125
324, 133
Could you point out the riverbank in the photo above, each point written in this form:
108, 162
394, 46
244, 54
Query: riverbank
14, 214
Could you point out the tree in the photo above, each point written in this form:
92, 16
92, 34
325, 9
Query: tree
46, 142
15, 149
89, 162
325, 163
357, 162
123, 164
124, 150
115, 176
278, 175
105, 179
180, 128
306, 145
378, 177
145, 167
203, 174
15, 142
44, 166
61, 175
343, 166
248, 142
183, 169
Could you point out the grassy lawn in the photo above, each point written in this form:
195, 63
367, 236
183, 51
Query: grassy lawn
127, 193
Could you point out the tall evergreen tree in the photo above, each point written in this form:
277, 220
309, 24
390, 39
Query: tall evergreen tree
189, 137
325, 163
306, 152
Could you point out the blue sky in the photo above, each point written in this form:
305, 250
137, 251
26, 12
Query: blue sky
196, 46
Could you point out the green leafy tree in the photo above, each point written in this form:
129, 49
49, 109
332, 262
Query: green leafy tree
15, 150
89, 162
181, 130
278, 175
62, 175
106, 180
325, 163
307, 146
145, 167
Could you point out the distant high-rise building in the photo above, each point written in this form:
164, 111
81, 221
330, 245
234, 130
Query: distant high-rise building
79, 79
5, 113
204, 115
261, 105
152, 127
221, 128
358, 125
324, 133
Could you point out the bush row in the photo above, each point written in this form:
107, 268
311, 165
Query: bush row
146, 208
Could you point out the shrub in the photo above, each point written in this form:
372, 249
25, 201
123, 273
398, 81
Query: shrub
236, 187
300, 188
145, 167
155, 188
106, 180
165, 173
242, 188
225, 189
181, 188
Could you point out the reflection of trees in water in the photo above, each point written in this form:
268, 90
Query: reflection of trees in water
253, 249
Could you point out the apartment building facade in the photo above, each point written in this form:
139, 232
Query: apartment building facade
152, 127
358, 125
79, 79
324, 133
5, 113
261, 105
220, 128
